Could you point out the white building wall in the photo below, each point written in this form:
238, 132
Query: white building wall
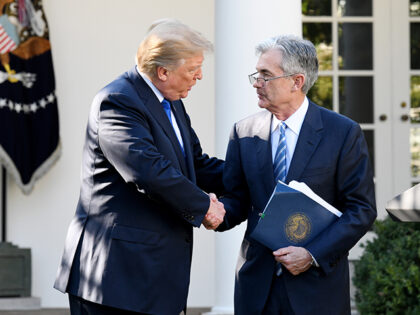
93, 42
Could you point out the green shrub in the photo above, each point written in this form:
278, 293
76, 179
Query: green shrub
387, 276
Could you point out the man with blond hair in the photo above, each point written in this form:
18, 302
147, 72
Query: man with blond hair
144, 183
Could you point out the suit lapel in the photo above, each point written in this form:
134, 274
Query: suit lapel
156, 109
309, 137
183, 128
262, 141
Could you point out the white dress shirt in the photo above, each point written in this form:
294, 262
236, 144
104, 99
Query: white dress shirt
294, 124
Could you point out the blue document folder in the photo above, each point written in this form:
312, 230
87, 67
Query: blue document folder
291, 218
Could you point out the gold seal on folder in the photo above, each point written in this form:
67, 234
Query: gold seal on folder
297, 227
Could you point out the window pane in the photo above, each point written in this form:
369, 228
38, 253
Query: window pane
316, 7
355, 46
321, 92
414, 8
415, 45
356, 98
415, 99
320, 35
369, 136
415, 151
354, 7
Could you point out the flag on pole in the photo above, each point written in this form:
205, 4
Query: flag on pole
29, 127
6, 42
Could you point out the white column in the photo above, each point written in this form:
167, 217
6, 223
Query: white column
240, 26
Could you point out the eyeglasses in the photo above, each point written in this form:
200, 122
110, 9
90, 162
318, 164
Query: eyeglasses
252, 78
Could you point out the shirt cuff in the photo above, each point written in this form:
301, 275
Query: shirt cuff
314, 262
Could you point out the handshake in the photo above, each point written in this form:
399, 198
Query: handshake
215, 214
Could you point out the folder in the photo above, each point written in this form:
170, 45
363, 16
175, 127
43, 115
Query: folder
293, 216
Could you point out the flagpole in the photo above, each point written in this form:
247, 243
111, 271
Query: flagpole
3, 204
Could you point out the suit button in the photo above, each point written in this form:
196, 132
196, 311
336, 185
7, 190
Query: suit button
188, 240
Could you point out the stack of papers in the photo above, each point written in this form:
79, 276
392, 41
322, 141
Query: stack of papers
303, 188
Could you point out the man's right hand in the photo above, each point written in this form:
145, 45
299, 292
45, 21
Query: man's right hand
215, 214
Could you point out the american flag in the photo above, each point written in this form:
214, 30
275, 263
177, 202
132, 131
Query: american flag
6, 42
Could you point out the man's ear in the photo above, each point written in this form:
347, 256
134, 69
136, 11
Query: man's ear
298, 82
162, 73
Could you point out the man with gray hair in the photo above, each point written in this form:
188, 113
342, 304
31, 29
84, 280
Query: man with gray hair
294, 139
145, 185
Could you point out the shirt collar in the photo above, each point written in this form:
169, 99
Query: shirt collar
295, 121
151, 85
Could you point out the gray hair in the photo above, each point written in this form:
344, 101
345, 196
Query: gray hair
298, 56
167, 44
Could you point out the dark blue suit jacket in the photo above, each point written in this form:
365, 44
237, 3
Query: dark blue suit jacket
129, 245
331, 157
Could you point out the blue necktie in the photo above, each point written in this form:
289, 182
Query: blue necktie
279, 164
167, 107
280, 167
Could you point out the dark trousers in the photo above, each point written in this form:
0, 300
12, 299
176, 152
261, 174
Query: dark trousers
278, 301
79, 306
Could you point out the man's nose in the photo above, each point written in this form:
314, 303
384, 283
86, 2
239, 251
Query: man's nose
258, 84
199, 74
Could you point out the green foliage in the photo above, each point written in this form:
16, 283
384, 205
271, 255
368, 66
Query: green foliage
321, 92
316, 7
320, 35
415, 99
387, 276
415, 132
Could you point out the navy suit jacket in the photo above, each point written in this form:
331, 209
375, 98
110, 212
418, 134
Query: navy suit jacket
331, 157
129, 245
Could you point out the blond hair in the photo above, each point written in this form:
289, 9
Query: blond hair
167, 44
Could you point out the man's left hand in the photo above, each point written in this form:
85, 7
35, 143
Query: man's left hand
295, 259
